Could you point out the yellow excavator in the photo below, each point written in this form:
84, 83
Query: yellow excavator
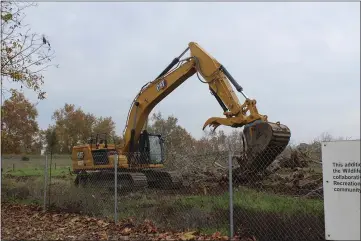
141, 157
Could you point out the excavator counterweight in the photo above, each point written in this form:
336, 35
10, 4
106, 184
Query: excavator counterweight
140, 161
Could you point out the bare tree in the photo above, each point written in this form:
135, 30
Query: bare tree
25, 55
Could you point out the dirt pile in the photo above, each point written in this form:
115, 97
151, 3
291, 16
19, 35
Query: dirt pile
297, 171
296, 181
205, 182
294, 171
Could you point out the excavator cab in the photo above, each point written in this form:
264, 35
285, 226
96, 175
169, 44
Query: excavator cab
150, 148
100, 149
98, 140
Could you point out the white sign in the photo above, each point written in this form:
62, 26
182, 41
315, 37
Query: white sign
341, 182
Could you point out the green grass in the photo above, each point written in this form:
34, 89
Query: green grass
29, 172
244, 198
24, 201
35, 161
265, 202
173, 211
14, 165
254, 201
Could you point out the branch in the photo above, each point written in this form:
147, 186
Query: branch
20, 52
21, 49
219, 165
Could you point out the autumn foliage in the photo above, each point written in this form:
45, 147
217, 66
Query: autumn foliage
19, 130
73, 126
21, 133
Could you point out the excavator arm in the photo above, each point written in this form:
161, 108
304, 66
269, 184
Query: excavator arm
214, 74
219, 81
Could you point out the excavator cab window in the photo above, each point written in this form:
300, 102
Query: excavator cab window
155, 149
151, 148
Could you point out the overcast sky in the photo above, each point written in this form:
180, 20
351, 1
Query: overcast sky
300, 61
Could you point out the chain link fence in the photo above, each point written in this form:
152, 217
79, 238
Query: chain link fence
272, 196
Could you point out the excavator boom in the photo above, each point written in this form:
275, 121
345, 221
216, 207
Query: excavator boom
219, 82
149, 96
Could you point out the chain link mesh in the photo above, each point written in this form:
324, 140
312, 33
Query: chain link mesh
278, 197
275, 196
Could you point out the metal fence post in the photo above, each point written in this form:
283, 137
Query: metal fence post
115, 187
230, 181
45, 180
50, 167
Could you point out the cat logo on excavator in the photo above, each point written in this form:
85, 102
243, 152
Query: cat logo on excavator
161, 85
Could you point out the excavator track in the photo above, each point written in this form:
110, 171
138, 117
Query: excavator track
264, 141
132, 180
163, 179
105, 179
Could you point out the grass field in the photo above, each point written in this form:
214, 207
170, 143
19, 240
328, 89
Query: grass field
15, 166
35, 161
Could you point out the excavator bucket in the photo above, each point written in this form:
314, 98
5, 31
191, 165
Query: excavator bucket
264, 142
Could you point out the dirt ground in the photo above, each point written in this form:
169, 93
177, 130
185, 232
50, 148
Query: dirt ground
29, 222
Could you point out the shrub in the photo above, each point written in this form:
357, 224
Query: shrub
25, 158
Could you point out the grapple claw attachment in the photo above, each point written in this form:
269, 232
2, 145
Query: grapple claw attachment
215, 122
214, 126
